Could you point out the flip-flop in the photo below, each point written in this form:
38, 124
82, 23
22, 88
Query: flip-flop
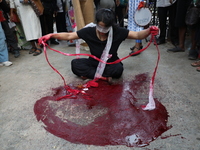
132, 48
196, 64
37, 53
132, 51
198, 69
32, 50
176, 49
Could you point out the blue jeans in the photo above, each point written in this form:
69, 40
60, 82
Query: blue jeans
3, 46
138, 41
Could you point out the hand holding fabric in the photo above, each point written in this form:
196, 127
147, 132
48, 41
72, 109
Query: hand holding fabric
141, 5
154, 30
44, 38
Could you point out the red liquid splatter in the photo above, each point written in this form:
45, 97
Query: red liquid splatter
164, 137
113, 115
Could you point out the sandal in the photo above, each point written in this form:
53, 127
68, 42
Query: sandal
193, 54
196, 64
198, 69
32, 50
176, 49
37, 53
132, 50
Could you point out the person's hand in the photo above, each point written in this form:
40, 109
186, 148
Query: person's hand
44, 38
141, 5
154, 30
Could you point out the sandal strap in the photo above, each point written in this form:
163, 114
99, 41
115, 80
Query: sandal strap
37, 53
138, 48
33, 47
198, 69
196, 64
39, 49
132, 48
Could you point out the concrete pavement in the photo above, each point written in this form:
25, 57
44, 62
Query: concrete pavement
30, 78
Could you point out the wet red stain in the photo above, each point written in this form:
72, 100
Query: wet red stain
113, 115
164, 137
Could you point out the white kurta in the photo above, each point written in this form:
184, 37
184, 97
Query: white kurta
30, 22
164, 3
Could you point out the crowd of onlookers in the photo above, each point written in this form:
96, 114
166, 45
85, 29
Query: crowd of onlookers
33, 23
24, 21
176, 11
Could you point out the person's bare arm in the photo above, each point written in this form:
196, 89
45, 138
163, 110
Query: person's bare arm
65, 36
59, 36
139, 35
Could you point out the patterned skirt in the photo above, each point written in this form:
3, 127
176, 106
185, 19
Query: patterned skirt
132, 26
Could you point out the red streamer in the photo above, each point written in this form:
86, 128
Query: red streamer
73, 92
141, 5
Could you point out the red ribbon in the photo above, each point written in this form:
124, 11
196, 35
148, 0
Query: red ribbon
93, 83
141, 5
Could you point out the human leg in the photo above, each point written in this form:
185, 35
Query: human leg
3, 50
162, 15
181, 11
120, 15
61, 22
113, 70
138, 46
11, 38
182, 32
193, 53
36, 49
173, 30
132, 26
84, 67
181, 46
43, 24
49, 24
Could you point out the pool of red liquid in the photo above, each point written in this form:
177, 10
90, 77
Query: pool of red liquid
111, 116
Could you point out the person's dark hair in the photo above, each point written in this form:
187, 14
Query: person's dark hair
106, 16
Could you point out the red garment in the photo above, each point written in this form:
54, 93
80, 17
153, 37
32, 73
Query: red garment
141, 4
2, 18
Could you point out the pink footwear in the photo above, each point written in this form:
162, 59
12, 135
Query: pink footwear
196, 64
198, 69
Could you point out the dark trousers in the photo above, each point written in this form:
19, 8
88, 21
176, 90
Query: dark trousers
119, 12
87, 68
163, 13
11, 38
61, 22
46, 21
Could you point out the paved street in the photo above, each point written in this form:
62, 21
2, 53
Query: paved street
30, 78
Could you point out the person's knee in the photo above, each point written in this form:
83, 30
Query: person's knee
73, 62
115, 71
74, 65
119, 72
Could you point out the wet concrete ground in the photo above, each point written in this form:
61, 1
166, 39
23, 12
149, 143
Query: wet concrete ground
30, 78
